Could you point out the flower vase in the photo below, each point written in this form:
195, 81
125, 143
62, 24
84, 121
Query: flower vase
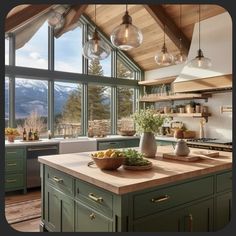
148, 145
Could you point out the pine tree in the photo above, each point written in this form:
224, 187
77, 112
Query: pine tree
125, 94
98, 107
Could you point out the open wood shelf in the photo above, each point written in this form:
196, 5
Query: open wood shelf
193, 115
183, 96
166, 80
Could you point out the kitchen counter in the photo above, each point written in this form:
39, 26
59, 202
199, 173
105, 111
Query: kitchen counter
44, 141
125, 181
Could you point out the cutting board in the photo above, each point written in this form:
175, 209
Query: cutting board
194, 156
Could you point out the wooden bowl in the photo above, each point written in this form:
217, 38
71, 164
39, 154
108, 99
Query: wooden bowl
127, 132
109, 163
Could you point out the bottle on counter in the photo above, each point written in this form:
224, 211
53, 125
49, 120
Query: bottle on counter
49, 134
24, 135
36, 135
30, 135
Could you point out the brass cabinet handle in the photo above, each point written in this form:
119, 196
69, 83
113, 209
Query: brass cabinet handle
94, 198
92, 216
11, 152
160, 199
11, 180
11, 164
58, 180
190, 222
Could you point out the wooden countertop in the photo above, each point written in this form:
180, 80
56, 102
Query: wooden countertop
123, 181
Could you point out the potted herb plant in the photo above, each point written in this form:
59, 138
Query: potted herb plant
148, 123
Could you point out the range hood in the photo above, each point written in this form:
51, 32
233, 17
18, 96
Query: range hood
216, 44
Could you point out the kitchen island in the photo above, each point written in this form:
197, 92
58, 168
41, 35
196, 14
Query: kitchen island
172, 196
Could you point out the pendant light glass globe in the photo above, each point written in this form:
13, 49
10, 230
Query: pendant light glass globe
164, 58
56, 20
95, 48
200, 61
126, 36
180, 58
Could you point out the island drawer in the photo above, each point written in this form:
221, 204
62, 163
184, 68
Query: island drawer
14, 152
60, 180
164, 198
224, 181
14, 181
94, 197
14, 164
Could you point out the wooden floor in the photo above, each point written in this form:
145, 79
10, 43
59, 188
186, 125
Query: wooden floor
16, 197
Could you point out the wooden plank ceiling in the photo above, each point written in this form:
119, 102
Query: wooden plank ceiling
147, 18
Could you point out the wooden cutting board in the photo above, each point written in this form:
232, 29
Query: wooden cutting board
193, 156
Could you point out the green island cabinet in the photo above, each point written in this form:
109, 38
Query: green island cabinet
196, 204
118, 143
15, 169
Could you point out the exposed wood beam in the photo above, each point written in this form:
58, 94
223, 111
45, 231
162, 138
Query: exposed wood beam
23, 15
71, 18
172, 30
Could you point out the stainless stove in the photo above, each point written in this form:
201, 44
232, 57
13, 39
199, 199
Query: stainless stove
211, 143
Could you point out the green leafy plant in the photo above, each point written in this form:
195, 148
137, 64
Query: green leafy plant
148, 120
134, 158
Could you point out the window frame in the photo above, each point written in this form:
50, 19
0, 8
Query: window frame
51, 75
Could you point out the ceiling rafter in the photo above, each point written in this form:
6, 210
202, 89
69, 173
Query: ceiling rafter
172, 30
23, 15
71, 18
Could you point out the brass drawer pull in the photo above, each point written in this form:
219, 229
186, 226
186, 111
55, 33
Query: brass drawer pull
92, 216
190, 222
58, 180
11, 164
11, 180
160, 199
94, 198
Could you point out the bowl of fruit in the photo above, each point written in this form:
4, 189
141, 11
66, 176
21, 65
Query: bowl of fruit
109, 159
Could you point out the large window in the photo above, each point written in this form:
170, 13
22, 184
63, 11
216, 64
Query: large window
99, 104
125, 104
31, 105
77, 100
67, 109
123, 71
6, 51
35, 52
6, 102
68, 51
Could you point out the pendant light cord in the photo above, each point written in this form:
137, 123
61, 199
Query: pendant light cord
199, 26
164, 35
95, 19
126, 8
180, 26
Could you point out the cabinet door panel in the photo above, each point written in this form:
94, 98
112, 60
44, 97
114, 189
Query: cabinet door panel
223, 210
67, 213
169, 221
88, 220
199, 217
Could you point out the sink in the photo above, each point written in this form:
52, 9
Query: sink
79, 144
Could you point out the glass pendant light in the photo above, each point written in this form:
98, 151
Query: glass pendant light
126, 36
95, 48
200, 61
56, 20
180, 57
164, 58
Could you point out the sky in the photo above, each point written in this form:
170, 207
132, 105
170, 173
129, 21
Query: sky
68, 52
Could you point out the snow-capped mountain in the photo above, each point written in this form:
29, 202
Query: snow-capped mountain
33, 95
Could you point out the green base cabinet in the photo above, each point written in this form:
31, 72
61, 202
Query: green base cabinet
200, 204
15, 168
59, 210
123, 143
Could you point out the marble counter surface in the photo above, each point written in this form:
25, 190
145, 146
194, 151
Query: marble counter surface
123, 181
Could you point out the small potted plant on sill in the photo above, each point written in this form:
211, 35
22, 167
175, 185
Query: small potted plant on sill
148, 122
11, 134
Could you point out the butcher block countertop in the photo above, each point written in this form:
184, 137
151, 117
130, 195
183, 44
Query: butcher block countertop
123, 181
